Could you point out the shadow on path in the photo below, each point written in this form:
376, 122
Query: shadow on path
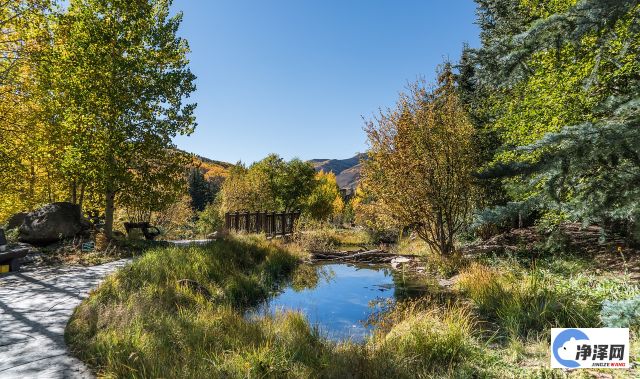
34, 310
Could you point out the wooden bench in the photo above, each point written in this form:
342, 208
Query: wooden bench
10, 256
150, 232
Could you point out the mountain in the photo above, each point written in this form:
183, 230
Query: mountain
347, 171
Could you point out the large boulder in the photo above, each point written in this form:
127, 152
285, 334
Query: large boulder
16, 220
53, 222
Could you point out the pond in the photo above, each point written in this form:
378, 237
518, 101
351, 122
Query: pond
339, 298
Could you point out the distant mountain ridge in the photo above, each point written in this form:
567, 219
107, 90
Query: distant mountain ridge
347, 171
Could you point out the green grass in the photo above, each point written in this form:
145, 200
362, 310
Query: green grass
141, 323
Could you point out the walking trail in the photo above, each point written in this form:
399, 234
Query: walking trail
34, 310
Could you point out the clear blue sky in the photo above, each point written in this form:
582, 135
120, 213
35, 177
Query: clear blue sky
295, 77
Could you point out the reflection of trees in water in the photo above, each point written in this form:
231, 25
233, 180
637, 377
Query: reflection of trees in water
307, 276
409, 284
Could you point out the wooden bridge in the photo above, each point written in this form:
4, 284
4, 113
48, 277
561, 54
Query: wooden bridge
270, 223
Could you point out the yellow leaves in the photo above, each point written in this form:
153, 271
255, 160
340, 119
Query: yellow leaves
546, 8
325, 200
421, 161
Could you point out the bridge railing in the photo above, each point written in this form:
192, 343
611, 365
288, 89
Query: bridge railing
270, 223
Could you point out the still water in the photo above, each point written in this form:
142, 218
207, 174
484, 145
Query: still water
339, 298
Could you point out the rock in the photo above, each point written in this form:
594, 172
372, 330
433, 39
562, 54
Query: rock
16, 220
399, 261
53, 222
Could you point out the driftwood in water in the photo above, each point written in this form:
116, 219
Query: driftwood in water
359, 256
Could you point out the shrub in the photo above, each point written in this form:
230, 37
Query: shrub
313, 235
12, 235
210, 219
622, 313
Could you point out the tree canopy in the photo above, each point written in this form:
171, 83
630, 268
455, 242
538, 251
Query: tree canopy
557, 82
98, 91
421, 160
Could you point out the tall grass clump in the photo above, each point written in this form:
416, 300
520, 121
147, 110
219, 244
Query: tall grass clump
144, 321
147, 321
316, 236
422, 340
526, 303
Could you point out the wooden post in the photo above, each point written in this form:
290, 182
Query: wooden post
237, 221
283, 217
273, 223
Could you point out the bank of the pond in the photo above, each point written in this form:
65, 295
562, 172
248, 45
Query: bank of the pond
143, 323
180, 313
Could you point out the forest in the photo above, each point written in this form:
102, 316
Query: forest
513, 178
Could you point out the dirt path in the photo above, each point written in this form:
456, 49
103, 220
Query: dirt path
34, 309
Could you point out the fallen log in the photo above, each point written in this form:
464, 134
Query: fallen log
358, 256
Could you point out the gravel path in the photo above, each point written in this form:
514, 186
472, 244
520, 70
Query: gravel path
34, 309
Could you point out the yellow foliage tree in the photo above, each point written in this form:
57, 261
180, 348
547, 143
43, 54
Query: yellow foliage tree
421, 161
325, 200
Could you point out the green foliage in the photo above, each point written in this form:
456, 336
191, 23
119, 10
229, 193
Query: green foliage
314, 236
270, 184
622, 313
121, 101
526, 304
556, 81
210, 219
325, 200
290, 183
203, 191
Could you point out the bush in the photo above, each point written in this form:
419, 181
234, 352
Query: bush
323, 239
12, 235
210, 219
622, 313
312, 235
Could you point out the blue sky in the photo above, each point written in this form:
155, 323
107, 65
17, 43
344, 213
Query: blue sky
295, 77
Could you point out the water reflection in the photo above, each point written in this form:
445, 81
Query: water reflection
339, 298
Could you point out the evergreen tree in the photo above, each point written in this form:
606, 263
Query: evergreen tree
567, 105
201, 190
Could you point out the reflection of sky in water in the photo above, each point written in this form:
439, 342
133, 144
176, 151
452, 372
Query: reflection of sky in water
340, 302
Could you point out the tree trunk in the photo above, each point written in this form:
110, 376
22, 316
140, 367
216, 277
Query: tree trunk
74, 192
81, 199
108, 213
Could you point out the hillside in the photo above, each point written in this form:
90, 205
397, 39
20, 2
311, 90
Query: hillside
210, 167
347, 171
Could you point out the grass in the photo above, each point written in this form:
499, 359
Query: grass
315, 236
142, 323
